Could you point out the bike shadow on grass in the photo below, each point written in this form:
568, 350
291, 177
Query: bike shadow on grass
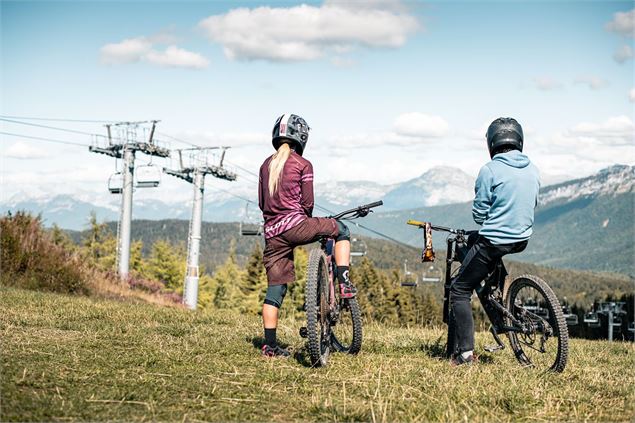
437, 349
300, 355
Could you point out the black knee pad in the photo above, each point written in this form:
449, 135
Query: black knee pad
344, 234
275, 295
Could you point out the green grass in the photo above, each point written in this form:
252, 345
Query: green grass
77, 358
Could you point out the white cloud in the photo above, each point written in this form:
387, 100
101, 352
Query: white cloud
631, 95
178, 58
134, 50
24, 151
618, 130
623, 54
623, 23
304, 32
391, 5
420, 125
546, 83
593, 82
130, 50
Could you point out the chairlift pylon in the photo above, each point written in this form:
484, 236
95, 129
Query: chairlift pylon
115, 183
148, 176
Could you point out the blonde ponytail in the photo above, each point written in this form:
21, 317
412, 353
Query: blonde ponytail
276, 165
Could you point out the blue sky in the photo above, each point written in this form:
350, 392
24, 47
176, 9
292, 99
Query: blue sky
390, 89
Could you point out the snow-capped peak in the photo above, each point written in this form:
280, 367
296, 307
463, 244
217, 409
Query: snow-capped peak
613, 180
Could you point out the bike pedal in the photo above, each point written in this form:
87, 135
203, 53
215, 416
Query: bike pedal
494, 348
499, 344
303, 332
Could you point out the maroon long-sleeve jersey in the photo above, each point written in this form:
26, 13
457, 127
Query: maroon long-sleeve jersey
293, 201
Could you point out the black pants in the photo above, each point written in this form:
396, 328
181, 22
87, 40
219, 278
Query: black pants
480, 260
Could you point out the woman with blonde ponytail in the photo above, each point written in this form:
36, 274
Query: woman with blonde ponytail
285, 196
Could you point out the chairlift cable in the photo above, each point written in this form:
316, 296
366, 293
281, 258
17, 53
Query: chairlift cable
51, 127
56, 119
45, 139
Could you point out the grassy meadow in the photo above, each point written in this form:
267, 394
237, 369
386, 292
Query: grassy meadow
69, 358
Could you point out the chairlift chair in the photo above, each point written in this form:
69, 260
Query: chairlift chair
592, 319
409, 279
148, 176
570, 318
247, 228
358, 248
115, 183
533, 307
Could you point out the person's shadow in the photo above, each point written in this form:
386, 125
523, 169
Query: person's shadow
434, 349
437, 349
301, 355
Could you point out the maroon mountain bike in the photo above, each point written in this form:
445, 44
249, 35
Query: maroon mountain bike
333, 322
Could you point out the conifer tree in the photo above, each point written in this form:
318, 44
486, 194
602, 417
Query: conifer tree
294, 301
166, 264
228, 278
206, 291
254, 282
61, 238
96, 243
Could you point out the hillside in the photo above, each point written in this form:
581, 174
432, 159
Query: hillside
578, 286
584, 223
77, 358
585, 232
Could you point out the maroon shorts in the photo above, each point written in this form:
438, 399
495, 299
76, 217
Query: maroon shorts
278, 254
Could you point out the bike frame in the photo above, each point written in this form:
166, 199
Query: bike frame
487, 293
327, 244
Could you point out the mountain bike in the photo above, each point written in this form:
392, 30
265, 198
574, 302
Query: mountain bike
525, 308
333, 323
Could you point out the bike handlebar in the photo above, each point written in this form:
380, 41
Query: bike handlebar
360, 211
435, 228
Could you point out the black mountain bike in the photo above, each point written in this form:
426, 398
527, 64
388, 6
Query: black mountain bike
332, 322
526, 309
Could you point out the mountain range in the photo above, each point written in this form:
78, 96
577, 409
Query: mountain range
584, 223
441, 185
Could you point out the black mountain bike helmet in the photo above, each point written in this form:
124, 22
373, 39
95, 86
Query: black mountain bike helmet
504, 132
291, 129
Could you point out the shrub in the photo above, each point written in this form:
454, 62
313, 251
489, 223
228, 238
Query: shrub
30, 258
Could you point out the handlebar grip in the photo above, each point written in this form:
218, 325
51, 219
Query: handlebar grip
416, 223
371, 205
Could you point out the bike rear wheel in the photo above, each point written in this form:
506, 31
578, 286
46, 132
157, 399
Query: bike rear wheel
346, 334
317, 308
544, 341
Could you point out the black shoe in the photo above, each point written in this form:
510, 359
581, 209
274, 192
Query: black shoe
276, 351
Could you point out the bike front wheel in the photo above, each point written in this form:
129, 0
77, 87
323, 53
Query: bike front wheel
317, 308
346, 334
542, 340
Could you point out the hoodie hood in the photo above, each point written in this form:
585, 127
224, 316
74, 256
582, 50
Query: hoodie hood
512, 158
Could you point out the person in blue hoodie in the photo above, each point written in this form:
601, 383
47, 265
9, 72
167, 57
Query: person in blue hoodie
506, 195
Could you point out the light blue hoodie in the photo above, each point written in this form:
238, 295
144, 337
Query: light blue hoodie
506, 195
